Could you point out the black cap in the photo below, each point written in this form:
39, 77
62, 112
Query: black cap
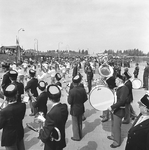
13, 74
145, 101
10, 90
58, 76
54, 92
42, 85
127, 75
77, 78
32, 72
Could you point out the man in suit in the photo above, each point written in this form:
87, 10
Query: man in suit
118, 111
11, 120
13, 77
32, 85
138, 135
76, 98
89, 76
129, 112
5, 81
41, 100
56, 117
146, 76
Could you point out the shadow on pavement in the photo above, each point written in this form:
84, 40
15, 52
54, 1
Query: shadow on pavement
90, 126
89, 112
91, 145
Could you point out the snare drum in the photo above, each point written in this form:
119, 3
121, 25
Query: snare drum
101, 97
136, 83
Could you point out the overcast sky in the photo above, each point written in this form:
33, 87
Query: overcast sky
95, 25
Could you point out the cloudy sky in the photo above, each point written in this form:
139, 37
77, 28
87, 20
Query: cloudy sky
95, 25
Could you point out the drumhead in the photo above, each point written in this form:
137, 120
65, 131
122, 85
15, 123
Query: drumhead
101, 97
136, 83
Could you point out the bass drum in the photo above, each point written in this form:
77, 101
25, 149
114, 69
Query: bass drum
101, 97
136, 83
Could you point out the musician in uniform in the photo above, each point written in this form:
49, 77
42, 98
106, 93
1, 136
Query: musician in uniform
136, 71
56, 117
11, 120
32, 85
76, 98
20, 87
111, 85
58, 78
138, 135
41, 100
129, 112
146, 77
118, 111
89, 74
5, 81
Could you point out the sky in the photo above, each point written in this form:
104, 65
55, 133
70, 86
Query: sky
93, 25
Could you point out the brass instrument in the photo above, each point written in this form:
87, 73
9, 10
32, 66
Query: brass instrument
55, 134
105, 70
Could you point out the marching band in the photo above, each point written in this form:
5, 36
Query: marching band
38, 84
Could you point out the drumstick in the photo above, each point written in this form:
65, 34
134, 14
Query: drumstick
31, 127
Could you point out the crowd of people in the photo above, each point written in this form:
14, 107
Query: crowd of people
44, 81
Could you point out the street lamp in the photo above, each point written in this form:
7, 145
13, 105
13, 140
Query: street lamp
18, 55
21, 29
37, 48
59, 45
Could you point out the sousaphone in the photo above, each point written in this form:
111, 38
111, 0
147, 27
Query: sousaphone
105, 70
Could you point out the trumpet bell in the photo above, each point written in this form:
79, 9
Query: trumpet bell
105, 70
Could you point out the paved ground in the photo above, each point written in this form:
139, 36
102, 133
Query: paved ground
94, 131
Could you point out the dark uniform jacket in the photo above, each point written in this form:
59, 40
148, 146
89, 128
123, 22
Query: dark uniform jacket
5, 81
138, 136
41, 103
128, 83
118, 107
32, 85
76, 98
20, 87
11, 122
56, 117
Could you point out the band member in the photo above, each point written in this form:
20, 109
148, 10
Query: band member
56, 117
138, 135
58, 78
41, 100
13, 77
89, 74
136, 71
31, 86
76, 98
5, 81
146, 76
75, 70
118, 111
129, 112
111, 84
11, 120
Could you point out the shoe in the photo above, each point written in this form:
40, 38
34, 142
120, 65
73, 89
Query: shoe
75, 139
114, 146
125, 122
110, 137
104, 119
